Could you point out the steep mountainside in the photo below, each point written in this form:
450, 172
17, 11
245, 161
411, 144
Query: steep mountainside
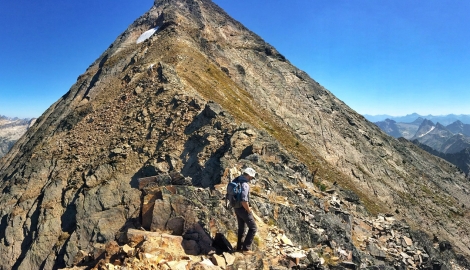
11, 130
190, 106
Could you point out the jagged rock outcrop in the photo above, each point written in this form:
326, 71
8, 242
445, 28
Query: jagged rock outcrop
201, 96
11, 129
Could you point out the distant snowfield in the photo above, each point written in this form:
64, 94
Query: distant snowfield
432, 128
146, 35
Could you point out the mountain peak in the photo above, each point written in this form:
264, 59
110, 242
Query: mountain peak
418, 121
427, 122
457, 123
459, 127
439, 126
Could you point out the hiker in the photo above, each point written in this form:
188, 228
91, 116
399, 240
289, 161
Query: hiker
244, 213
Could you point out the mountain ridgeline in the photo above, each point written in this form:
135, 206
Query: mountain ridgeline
451, 142
151, 132
443, 119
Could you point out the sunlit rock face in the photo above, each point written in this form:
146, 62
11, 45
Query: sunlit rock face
189, 107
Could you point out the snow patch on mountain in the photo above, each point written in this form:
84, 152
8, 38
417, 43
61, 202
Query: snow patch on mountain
422, 135
146, 35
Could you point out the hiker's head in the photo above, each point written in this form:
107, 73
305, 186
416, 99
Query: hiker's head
250, 172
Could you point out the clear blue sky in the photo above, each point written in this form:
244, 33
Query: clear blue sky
379, 57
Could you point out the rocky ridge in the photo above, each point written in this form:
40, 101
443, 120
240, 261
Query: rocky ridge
200, 97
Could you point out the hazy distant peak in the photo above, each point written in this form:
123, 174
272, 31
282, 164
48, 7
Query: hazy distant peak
411, 118
425, 128
418, 121
440, 126
414, 115
11, 129
427, 122
459, 127
457, 123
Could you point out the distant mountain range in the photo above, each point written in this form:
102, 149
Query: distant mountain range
450, 142
11, 129
443, 119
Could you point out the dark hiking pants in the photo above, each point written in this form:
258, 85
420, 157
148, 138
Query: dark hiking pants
244, 218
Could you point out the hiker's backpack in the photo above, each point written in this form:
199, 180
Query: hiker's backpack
234, 194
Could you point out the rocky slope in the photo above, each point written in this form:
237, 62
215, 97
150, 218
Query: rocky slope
11, 129
189, 107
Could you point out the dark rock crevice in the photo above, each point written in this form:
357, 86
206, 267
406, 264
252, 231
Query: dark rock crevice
29, 233
96, 77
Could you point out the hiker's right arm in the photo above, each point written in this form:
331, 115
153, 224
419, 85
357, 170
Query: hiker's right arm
246, 206
245, 198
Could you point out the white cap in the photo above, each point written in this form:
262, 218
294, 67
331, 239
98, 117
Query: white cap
250, 171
